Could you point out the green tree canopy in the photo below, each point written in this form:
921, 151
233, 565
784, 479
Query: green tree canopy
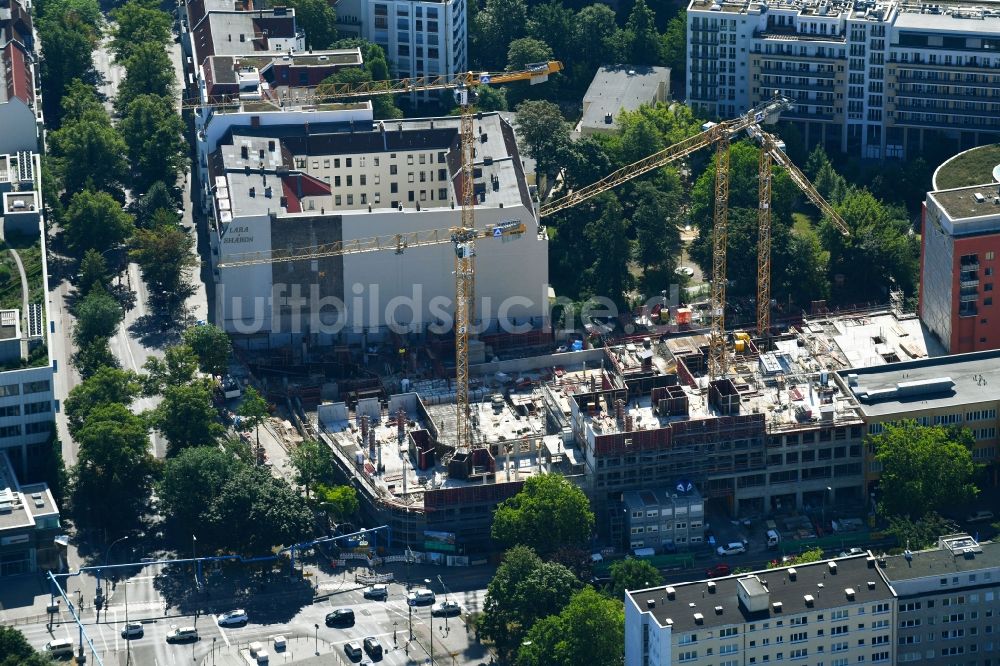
527, 50
191, 482
313, 464
598, 37
80, 102
339, 502
157, 199
178, 367
633, 574
589, 630
89, 154
673, 46
924, 469
495, 26
553, 24
383, 106
112, 479
97, 317
253, 413
644, 41
920, 533
544, 133
92, 356
164, 254
138, 22
154, 135
318, 20
212, 347
93, 272
68, 32
15, 650
255, 512
148, 71
107, 386
608, 276
95, 221
548, 513
524, 590
186, 416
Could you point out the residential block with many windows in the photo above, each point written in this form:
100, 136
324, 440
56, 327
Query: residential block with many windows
874, 79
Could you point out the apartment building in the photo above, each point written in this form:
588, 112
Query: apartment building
20, 113
874, 79
302, 182
835, 612
420, 38
948, 610
958, 263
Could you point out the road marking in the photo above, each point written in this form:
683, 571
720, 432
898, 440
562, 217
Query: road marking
223, 633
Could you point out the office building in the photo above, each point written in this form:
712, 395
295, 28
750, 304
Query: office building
29, 524
420, 38
839, 612
673, 518
873, 79
948, 602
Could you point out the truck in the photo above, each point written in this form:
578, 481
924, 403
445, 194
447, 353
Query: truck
773, 535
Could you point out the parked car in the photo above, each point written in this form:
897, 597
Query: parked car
378, 592
420, 597
446, 609
182, 635
132, 630
734, 548
233, 618
372, 648
353, 650
342, 617
718, 571
980, 517
851, 551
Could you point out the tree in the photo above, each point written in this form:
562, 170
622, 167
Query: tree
673, 46
93, 272
585, 161
148, 71
192, 480
178, 367
524, 590
148, 208
95, 221
153, 133
68, 39
548, 512
313, 464
254, 512
658, 240
924, 469
488, 98
383, 106
498, 24
112, 479
589, 630
633, 574
543, 131
165, 258
92, 356
318, 20
527, 50
15, 650
805, 557
805, 277
879, 253
554, 24
107, 386
638, 138
89, 154
598, 36
186, 416
817, 160
339, 502
644, 45
253, 413
80, 102
920, 533
608, 275
211, 345
138, 22
97, 317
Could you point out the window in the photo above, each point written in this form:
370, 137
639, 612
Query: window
689, 655
11, 410
10, 431
393, 188
347, 162
728, 631
336, 181
799, 637
350, 181
350, 199
37, 407
337, 200
364, 179
409, 160
41, 426
442, 194
392, 169
800, 653
36, 387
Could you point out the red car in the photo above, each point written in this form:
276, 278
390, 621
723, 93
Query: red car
717, 571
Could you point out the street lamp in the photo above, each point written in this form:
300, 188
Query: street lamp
829, 490
194, 543
107, 556
213, 650
427, 582
316, 626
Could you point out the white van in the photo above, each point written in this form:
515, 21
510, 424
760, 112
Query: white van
773, 539
62, 647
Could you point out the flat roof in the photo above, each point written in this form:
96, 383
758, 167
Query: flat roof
624, 87
722, 607
975, 378
939, 561
962, 203
20, 504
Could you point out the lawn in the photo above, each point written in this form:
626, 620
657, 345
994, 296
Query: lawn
802, 224
972, 168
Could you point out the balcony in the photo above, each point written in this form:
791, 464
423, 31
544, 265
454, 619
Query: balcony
969, 284
966, 268
968, 298
953, 96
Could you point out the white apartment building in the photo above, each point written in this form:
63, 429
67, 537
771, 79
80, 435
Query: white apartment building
419, 38
836, 612
875, 79
286, 180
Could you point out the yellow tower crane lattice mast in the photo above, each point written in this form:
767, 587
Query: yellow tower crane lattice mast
463, 237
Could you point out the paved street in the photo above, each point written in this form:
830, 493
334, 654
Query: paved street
279, 609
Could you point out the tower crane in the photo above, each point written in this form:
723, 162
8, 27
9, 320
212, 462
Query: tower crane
771, 151
463, 237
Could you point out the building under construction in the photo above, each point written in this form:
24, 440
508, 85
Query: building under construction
777, 434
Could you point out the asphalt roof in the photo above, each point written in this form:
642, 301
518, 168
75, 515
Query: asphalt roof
939, 561
624, 87
975, 377
722, 607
